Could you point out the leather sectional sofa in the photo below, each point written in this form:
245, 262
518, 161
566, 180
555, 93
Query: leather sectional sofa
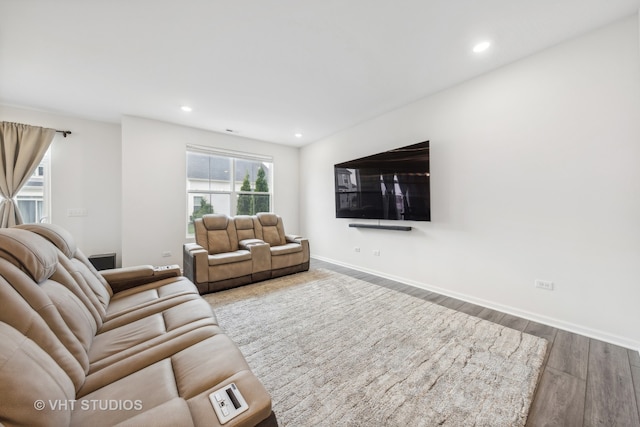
235, 251
133, 346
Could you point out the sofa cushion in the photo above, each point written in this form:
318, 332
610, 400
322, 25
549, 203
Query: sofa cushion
218, 241
149, 387
57, 235
94, 295
243, 222
23, 318
289, 248
151, 298
175, 412
94, 287
30, 377
267, 219
270, 229
74, 312
215, 221
216, 233
229, 257
30, 252
148, 331
271, 236
39, 299
244, 227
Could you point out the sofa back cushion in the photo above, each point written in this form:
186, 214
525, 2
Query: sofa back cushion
270, 229
18, 314
216, 233
30, 378
57, 235
39, 258
244, 227
29, 252
28, 263
93, 285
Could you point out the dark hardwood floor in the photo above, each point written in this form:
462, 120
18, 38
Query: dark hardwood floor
585, 382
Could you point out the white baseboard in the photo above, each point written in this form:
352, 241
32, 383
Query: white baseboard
549, 321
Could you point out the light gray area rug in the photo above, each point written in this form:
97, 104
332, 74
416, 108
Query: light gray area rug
336, 351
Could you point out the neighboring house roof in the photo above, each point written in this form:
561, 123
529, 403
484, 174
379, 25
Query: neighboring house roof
204, 166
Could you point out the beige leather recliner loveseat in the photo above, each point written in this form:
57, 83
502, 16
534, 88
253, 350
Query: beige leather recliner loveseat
76, 351
235, 251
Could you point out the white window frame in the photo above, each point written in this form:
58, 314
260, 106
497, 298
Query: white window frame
23, 194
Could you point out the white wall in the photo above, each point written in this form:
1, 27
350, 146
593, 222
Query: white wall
534, 175
154, 210
85, 174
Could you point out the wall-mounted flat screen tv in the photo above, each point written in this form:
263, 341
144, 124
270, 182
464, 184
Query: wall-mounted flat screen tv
392, 185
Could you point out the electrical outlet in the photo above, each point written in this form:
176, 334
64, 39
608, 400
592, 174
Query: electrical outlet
77, 212
356, 249
166, 254
544, 284
376, 252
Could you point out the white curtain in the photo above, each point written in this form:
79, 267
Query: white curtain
21, 150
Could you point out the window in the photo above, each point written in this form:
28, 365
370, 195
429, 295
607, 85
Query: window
227, 182
33, 198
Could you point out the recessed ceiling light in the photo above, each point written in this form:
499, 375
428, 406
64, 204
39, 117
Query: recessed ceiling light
298, 135
186, 108
482, 46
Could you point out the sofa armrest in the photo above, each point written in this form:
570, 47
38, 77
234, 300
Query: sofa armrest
196, 264
124, 278
291, 238
260, 256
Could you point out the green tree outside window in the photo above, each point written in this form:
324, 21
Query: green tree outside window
261, 200
204, 209
245, 201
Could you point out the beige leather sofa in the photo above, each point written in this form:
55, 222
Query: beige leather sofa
231, 252
74, 351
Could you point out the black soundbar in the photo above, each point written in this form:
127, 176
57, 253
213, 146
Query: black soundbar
381, 227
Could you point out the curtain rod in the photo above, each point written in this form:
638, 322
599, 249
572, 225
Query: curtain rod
64, 132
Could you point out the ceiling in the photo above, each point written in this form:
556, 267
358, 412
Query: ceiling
267, 69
